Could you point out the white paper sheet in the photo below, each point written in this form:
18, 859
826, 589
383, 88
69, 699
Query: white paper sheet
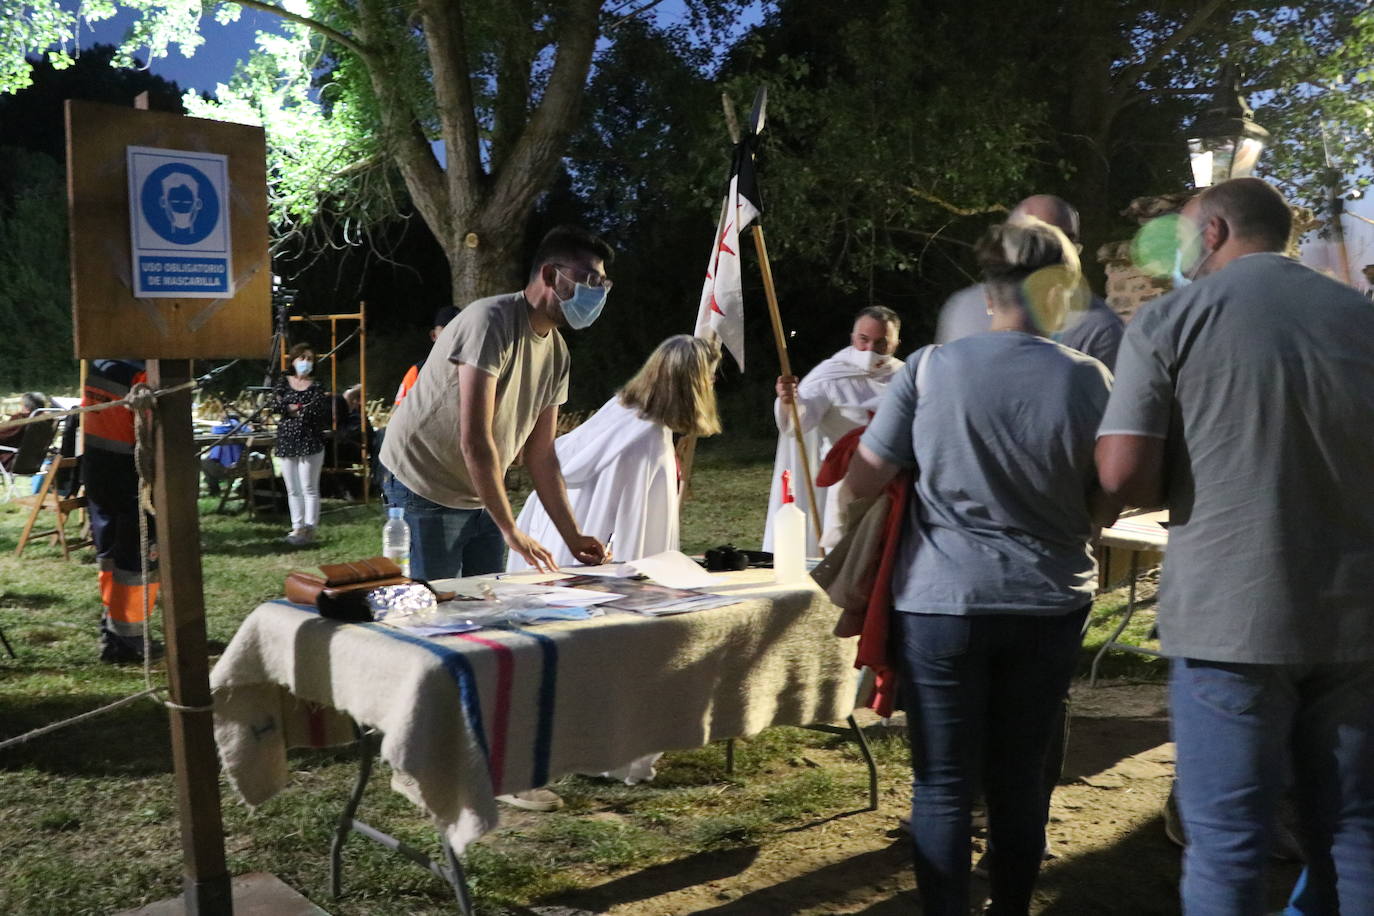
671, 568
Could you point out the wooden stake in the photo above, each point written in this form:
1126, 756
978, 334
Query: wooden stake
205, 885
786, 365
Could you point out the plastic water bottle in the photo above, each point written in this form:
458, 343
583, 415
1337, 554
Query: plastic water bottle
396, 539
789, 537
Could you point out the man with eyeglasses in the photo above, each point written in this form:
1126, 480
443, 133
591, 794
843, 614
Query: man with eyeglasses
489, 391
1095, 330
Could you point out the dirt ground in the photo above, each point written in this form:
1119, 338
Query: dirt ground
1106, 828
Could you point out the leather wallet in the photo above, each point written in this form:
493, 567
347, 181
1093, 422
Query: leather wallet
339, 589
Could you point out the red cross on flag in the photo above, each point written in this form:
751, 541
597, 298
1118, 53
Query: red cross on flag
721, 313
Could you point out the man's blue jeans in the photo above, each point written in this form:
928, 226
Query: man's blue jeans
447, 542
982, 695
1237, 726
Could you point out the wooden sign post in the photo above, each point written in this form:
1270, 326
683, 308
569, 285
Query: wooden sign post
168, 222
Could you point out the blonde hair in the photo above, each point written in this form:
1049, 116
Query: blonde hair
676, 387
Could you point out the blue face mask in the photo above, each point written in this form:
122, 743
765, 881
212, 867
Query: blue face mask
584, 305
1178, 276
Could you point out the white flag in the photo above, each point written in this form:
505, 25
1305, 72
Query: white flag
721, 312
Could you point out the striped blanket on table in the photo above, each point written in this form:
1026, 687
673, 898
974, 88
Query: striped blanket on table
467, 717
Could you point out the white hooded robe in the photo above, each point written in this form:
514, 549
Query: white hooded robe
838, 395
622, 483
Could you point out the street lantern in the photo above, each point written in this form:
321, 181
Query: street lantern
1225, 142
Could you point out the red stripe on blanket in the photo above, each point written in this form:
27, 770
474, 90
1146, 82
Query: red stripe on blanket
505, 675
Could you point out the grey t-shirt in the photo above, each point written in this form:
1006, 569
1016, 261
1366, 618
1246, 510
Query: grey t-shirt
1096, 332
1260, 378
1002, 435
422, 446
964, 314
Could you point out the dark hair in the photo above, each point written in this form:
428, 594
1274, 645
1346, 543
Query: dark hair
881, 313
570, 242
1252, 208
444, 315
296, 353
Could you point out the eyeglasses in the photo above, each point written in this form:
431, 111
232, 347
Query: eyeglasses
590, 278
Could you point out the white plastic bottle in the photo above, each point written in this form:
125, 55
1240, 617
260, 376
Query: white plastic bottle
396, 539
789, 537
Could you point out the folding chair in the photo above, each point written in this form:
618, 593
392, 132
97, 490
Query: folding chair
244, 475
29, 454
62, 494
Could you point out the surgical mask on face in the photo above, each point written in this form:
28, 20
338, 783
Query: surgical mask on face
303, 366
866, 360
584, 305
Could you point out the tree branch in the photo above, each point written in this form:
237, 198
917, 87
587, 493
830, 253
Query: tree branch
539, 148
446, 42
1135, 72
954, 208
315, 25
409, 147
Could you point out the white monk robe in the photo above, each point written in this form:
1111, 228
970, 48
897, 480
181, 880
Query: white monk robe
622, 484
835, 397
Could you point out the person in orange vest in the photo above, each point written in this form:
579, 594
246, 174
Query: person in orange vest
107, 467
441, 319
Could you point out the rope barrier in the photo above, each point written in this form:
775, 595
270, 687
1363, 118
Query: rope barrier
62, 723
141, 399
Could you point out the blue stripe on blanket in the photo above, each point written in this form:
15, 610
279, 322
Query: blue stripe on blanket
458, 667
548, 689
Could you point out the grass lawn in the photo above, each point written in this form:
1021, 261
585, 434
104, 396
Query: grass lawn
88, 819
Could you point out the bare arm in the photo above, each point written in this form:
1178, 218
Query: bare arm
477, 407
1131, 469
542, 460
868, 474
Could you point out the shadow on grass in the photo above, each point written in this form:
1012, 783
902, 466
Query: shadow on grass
657, 880
1096, 744
29, 601
129, 741
834, 882
1138, 874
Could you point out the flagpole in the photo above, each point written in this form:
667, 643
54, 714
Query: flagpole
786, 365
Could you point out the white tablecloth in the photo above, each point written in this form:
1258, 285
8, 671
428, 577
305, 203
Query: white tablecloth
466, 718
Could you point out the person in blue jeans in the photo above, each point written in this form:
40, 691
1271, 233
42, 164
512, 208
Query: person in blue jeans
1244, 402
995, 573
489, 392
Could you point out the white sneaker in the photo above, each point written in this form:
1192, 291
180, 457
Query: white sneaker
542, 800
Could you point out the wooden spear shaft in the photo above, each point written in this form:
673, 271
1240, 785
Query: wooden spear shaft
786, 364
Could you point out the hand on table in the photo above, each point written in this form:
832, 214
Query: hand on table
535, 553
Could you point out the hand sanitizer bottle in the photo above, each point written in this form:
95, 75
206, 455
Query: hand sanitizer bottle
789, 538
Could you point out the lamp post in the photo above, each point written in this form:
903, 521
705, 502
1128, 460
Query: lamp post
1224, 141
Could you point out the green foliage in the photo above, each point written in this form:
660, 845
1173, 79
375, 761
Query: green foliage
35, 299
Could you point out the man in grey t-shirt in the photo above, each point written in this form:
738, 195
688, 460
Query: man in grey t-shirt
490, 390
1095, 330
1244, 402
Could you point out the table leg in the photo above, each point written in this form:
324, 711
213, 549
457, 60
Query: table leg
1121, 627
367, 750
368, 744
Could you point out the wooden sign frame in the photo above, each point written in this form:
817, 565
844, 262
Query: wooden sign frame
108, 321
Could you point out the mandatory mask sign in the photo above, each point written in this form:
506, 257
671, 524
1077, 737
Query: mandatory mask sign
179, 220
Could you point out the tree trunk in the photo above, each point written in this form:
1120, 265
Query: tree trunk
486, 263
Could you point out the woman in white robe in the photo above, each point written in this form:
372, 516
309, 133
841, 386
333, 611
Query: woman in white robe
619, 466
837, 396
